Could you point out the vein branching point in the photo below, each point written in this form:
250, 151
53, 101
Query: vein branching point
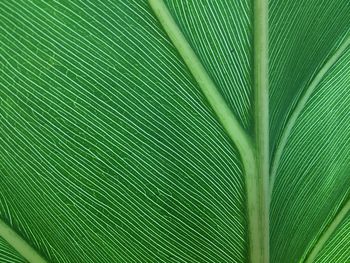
254, 157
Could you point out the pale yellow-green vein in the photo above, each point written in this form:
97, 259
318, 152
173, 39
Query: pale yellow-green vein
258, 231
19, 244
327, 233
301, 105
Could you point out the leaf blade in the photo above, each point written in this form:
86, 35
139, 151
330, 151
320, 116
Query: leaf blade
315, 167
70, 106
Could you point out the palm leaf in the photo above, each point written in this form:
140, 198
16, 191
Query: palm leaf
175, 131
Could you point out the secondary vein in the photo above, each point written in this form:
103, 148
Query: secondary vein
327, 233
217, 102
301, 105
257, 232
19, 244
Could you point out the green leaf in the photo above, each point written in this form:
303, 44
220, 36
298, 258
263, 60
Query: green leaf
8, 254
174, 131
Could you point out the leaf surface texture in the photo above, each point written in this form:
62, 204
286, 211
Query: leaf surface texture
109, 151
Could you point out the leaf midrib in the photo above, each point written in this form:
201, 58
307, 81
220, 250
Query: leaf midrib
254, 157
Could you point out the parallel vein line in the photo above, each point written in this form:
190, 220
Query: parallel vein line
216, 101
300, 106
20, 244
229, 123
327, 233
62, 90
